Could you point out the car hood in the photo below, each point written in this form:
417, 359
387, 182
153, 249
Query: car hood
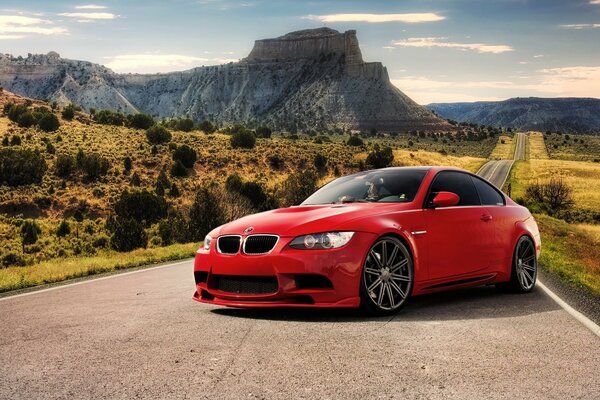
300, 220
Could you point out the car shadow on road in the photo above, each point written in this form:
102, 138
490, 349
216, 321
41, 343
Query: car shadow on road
472, 303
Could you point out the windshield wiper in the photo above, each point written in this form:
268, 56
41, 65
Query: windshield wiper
348, 199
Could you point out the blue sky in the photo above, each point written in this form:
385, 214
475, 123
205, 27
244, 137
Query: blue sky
435, 50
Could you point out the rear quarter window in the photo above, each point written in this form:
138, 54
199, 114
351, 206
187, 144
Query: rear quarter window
487, 193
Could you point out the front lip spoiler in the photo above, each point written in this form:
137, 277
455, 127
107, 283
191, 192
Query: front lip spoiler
350, 302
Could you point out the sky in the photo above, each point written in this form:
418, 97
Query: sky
434, 50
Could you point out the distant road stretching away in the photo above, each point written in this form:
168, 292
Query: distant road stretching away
497, 171
140, 335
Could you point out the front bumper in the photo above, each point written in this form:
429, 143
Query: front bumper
304, 278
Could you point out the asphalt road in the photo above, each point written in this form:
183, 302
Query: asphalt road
140, 335
496, 171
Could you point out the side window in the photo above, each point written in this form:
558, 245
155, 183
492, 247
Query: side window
455, 182
489, 196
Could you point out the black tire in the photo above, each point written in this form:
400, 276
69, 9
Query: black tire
523, 274
390, 263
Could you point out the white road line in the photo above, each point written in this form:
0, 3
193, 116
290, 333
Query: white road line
507, 174
588, 323
90, 280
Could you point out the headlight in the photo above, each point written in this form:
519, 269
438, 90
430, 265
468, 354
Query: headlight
321, 241
207, 241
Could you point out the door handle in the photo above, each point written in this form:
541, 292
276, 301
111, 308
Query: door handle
485, 217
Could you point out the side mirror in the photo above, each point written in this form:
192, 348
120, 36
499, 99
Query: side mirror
445, 199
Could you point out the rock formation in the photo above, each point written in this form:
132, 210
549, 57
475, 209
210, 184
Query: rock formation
310, 79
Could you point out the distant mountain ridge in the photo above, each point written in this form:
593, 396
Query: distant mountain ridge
567, 114
308, 79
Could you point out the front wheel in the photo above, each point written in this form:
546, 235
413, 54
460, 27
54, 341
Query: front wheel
387, 277
524, 268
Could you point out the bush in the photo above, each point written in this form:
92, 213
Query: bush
553, 196
186, 155
263, 132
143, 206
127, 234
63, 229
140, 121
107, 117
48, 122
14, 111
355, 140
253, 191
158, 134
173, 229
380, 158
26, 120
127, 164
93, 166
244, 139
185, 125
205, 214
298, 187
68, 113
207, 127
21, 167
275, 161
320, 162
30, 232
64, 165
15, 140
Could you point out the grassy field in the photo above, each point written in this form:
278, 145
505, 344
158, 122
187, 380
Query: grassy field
57, 270
537, 146
573, 147
504, 148
571, 252
583, 177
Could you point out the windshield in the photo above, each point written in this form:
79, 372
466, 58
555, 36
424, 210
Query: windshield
385, 186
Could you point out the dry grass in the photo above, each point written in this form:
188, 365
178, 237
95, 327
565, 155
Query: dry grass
504, 148
537, 146
62, 269
582, 177
573, 147
593, 231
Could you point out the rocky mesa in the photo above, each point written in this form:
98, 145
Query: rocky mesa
310, 79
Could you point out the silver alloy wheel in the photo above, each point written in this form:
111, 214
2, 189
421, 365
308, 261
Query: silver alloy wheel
526, 264
387, 274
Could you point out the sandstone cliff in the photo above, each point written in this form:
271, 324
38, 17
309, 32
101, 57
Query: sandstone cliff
303, 80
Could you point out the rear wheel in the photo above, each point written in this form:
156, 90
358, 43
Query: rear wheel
387, 277
524, 268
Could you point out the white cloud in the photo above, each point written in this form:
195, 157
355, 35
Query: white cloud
580, 26
19, 26
89, 15
577, 81
154, 63
427, 42
90, 7
594, 1
410, 18
538, 56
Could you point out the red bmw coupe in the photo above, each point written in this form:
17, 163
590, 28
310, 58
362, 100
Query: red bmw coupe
372, 240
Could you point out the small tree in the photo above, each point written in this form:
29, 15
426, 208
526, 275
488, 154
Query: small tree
140, 121
355, 140
143, 206
243, 139
158, 134
207, 127
380, 158
63, 229
205, 214
186, 155
127, 234
21, 166
64, 165
68, 113
185, 125
298, 187
48, 122
26, 120
263, 132
320, 162
30, 232
127, 164
178, 170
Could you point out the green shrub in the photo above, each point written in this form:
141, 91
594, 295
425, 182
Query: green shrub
30, 232
253, 191
207, 127
21, 166
107, 117
380, 158
178, 170
298, 186
158, 134
186, 155
142, 206
355, 140
140, 121
263, 132
63, 229
275, 161
127, 234
26, 120
48, 123
68, 113
64, 165
244, 139
173, 229
14, 111
93, 166
320, 162
206, 214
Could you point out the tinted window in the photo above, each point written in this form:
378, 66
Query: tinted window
487, 194
393, 185
457, 183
